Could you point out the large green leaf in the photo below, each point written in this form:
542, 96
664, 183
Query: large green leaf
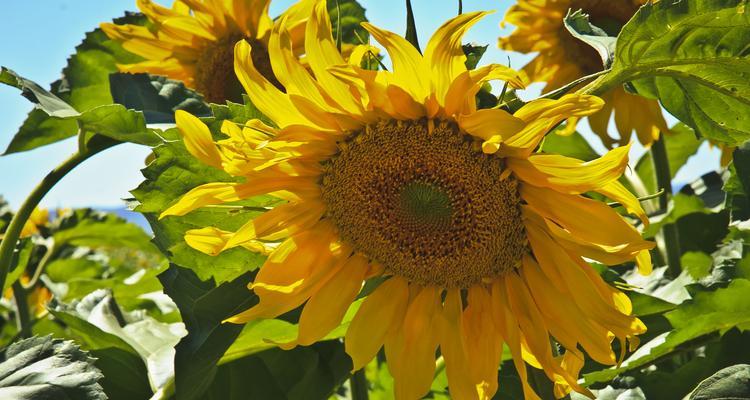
681, 144
692, 56
41, 368
578, 24
84, 85
42, 98
709, 313
203, 307
304, 373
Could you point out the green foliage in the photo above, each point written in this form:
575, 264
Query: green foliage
347, 15
573, 145
43, 99
700, 319
729, 383
171, 174
692, 56
681, 144
87, 227
156, 96
203, 307
84, 85
578, 24
45, 368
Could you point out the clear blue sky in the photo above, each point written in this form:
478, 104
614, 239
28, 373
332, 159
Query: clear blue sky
39, 35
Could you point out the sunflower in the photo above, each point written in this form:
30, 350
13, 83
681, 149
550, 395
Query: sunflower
194, 41
396, 177
39, 218
562, 58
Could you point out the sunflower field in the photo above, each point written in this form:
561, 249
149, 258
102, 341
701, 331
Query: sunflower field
334, 210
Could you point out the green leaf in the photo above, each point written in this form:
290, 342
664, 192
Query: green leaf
136, 332
578, 24
21, 257
573, 145
696, 263
116, 122
681, 144
171, 174
473, 53
203, 307
708, 313
44, 368
157, 96
42, 99
692, 56
352, 14
87, 227
84, 85
304, 373
729, 383
737, 186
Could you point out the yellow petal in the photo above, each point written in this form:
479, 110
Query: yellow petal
459, 98
488, 123
267, 97
453, 348
444, 52
569, 175
197, 137
376, 316
410, 350
325, 309
410, 71
618, 192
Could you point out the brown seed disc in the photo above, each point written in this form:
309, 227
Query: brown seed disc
428, 206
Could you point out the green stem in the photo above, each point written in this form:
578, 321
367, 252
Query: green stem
23, 318
358, 385
15, 227
664, 181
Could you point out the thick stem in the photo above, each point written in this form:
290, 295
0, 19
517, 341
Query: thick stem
358, 385
664, 181
10, 238
23, 318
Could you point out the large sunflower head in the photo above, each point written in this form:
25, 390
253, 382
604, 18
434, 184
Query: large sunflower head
478, 239
562, 58
194, 41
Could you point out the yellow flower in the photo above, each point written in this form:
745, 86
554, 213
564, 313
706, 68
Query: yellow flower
39, 217
562, 58
479, 240
194, 40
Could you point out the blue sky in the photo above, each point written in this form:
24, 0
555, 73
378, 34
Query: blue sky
39, 35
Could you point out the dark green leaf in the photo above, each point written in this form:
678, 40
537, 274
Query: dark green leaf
578, 24
473, 53
304, 373
156, 96
44, 368
737, 186
681, 144
203, 307
729, 383
692, 56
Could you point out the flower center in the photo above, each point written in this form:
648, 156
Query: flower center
214, 70
427, 205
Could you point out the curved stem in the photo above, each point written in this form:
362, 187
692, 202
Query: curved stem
358, 385
23, 317
664, 181
13, 232
40, 266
